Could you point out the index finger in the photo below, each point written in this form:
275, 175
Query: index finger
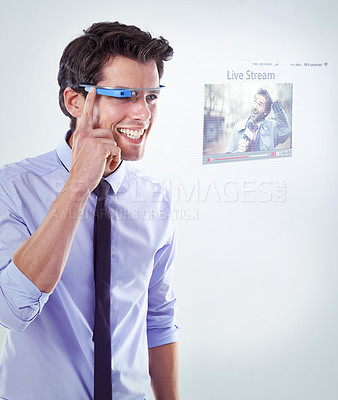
86, 118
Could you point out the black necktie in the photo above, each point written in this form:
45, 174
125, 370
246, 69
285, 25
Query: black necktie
102, 265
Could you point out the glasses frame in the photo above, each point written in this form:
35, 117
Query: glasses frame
118, 92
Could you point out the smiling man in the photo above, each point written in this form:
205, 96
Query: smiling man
90, 308
256, 132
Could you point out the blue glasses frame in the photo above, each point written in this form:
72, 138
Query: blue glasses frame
118, 92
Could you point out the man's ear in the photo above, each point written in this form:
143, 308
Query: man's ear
74, 102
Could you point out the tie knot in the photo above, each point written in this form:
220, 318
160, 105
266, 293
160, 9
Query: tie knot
102, 189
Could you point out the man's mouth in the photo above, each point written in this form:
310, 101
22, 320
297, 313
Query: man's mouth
131, 133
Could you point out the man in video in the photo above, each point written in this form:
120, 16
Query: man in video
257, 133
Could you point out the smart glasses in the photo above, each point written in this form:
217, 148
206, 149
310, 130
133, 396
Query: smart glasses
129, 94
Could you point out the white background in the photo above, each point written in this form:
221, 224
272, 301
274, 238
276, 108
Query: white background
256, 279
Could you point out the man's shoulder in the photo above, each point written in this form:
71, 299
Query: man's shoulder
39, 166
146, 182
240, 125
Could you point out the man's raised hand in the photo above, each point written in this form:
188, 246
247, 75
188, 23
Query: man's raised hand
94, 150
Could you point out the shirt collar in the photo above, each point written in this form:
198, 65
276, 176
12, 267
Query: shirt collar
64, 153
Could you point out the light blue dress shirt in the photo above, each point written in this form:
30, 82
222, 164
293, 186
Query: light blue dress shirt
48, 350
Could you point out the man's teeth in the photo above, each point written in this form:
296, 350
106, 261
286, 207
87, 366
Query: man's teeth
131, 133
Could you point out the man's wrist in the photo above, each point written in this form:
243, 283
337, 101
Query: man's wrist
76, 189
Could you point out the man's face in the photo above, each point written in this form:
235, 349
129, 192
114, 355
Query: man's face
258, 112
130, 122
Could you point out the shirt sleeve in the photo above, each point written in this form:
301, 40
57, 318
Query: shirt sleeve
20, 300
161, 325
283, 126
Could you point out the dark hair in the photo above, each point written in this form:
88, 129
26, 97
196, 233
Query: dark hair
84, 58
268, 99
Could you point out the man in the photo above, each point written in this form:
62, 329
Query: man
258, 133
47, 212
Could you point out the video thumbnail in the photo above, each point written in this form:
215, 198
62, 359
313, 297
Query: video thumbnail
247, 119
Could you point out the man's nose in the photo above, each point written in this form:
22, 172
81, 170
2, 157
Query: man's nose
140, 109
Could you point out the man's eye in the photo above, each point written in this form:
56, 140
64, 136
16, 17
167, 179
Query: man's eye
151, 98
